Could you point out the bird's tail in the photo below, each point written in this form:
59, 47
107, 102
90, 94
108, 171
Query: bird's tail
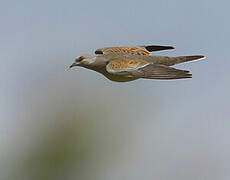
169, 61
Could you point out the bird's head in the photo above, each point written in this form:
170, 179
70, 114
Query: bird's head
84, 60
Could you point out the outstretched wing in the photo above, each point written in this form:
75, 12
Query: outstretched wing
135, 68
136, 50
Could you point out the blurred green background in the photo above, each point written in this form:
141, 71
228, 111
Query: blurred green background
57, 123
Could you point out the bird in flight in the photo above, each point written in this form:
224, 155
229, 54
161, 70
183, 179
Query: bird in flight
123, 64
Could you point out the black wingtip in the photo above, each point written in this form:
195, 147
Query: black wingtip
157, 48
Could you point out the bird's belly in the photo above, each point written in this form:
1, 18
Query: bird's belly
112, 77
117, 78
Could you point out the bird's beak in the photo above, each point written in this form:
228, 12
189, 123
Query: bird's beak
74, 64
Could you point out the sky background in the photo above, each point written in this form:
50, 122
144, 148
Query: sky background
147, 129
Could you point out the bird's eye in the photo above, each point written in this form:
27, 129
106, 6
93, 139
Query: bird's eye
80, 58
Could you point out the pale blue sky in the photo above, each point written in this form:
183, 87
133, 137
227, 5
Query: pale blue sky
40, 39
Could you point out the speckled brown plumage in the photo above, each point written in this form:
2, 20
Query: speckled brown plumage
125, 50
125, 63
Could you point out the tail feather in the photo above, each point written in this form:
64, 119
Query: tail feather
176, 60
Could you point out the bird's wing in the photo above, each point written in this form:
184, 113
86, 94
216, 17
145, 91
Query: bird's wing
142, 69
135, 50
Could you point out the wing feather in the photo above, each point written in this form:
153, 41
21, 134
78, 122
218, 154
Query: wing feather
157, 71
